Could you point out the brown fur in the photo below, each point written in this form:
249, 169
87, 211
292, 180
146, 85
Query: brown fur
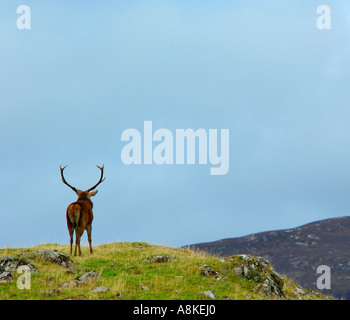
79, 218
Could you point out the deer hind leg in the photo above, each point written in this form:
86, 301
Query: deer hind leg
88, 230
73, 216
78, 234
71, 232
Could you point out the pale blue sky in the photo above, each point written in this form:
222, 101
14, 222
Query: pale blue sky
87, 70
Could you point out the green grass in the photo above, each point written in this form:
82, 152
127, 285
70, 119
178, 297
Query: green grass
124, 271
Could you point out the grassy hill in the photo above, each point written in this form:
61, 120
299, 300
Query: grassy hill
142, 271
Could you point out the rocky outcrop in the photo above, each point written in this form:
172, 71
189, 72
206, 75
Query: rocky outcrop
56, 257
259, 270
6, 276
11, 263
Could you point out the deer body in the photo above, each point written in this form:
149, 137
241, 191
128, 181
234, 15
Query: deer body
79, 214
79, 218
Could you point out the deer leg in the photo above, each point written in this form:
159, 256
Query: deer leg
76, 243
78, 234
88, 230
71, 231
71, 242
79, 247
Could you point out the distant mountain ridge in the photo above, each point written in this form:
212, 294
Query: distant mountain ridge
298, 252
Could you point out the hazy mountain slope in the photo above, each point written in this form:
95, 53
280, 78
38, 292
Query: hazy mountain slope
298, 252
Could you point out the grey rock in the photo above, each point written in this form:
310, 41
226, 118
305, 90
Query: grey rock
158, 259
143, 287
209, 294
210, 272
300, 290
6, 276
80, 297
100, 289
50, 293
69, 284
238, 271
7, 263
26, 262
59, 258
11, 263
86, 278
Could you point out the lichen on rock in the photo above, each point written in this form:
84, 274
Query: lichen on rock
259, 270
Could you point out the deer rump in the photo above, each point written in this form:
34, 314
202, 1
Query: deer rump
79, 214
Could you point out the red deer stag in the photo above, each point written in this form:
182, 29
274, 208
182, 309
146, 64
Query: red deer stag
79, 213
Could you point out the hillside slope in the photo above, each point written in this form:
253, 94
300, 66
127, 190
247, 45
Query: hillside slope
141, 271
298, 252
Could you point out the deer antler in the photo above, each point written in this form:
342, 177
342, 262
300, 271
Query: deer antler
64, 180
101, 180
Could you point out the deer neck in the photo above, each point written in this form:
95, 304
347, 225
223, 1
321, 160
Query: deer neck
86, 199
